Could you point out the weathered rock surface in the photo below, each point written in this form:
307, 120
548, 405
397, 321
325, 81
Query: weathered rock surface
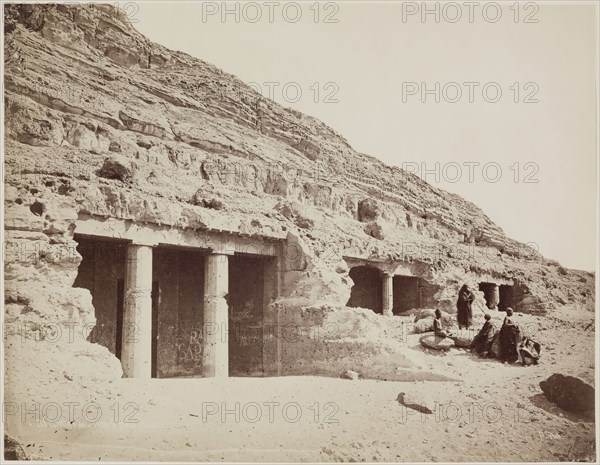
367, 210
569, 392
201, 134
88, 98
117, 167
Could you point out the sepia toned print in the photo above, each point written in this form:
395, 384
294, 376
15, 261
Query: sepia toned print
340, 252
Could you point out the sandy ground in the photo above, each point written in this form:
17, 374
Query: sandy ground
490, 412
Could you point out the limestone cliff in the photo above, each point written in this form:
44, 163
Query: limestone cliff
103, 123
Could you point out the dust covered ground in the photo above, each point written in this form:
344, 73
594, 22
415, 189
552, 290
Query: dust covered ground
488, 412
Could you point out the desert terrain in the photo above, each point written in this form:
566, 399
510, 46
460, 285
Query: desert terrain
488, 411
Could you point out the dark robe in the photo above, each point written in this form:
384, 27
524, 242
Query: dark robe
510, 338
464, 314
495, 349
482, 342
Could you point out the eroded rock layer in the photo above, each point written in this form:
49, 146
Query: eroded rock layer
102, 123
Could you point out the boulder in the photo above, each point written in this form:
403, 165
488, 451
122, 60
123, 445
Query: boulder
424, 313
349, 374
13, 450
421, 314
424, 325
569, 392
437, 343
462, 340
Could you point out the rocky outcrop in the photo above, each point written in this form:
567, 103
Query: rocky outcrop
47, 320
326, 340
103, 123
201, 134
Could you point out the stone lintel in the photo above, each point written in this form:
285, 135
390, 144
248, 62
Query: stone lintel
154, 235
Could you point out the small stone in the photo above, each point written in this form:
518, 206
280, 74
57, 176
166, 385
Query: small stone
114, 147
349, 374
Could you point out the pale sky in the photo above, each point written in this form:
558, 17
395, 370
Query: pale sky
370, 56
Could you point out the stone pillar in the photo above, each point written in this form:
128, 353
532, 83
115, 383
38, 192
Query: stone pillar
388, 294
494, 297
270, 339
136, 352
215, 350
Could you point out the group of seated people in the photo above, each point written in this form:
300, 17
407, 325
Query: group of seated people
506, 344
